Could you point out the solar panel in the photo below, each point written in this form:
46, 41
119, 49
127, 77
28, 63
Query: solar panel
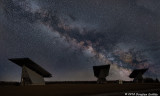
102, 70
32, 65
136, 72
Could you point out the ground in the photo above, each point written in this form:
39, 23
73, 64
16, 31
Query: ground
77, 89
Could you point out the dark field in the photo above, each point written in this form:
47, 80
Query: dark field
75, 89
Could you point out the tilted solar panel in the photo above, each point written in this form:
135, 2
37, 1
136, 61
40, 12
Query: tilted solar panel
32, 65
137, 71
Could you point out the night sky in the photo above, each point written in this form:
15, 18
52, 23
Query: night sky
68, 37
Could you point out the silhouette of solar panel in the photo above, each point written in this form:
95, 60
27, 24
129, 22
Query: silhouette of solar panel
32, 73
32, 65
137, 75
136, 72
101, 72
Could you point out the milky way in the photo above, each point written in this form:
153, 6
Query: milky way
68, 37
